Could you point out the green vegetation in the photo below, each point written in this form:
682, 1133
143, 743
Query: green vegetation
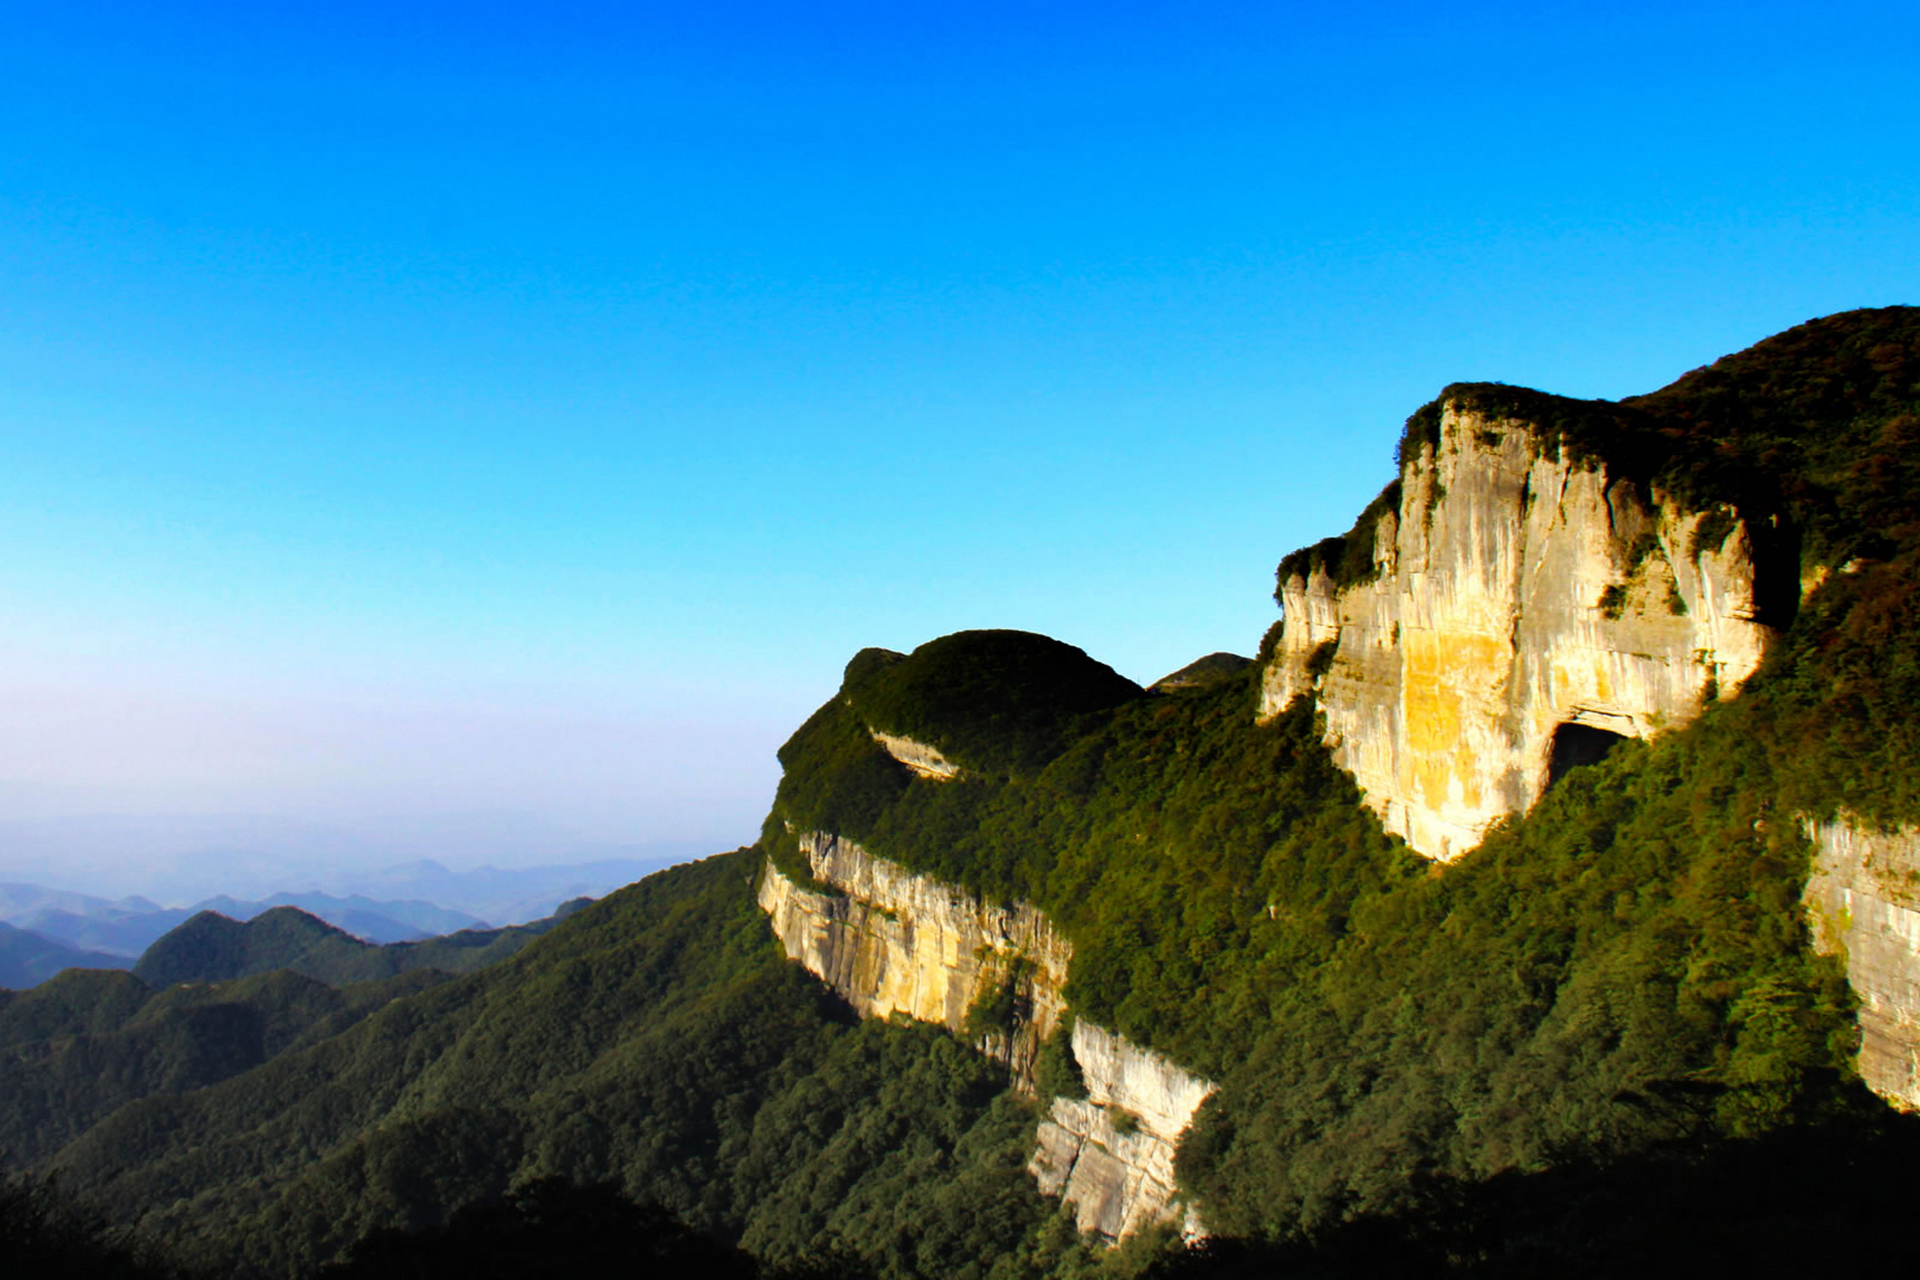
1624, 968
1634, 942
1203, 671
658, 1040
75, 1049
213, 948
1348, 558
1422, 432
1769, 1206
1162, 841
42, 1233
547, 1227
996, 702
1056, 1074
1605, 1022
994, 1009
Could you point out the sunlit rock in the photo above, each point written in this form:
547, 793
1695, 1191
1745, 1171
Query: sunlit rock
1518, 602
1863, 905
894, 943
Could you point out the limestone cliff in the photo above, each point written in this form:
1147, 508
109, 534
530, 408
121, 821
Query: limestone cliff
923, 760
1522, 608
1111, 1154
901, 943
891, 942
1863, 904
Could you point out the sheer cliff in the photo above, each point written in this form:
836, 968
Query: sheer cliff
1863, 900
1544, 892
890, 942
1622, 617
1548, 577
1514, 611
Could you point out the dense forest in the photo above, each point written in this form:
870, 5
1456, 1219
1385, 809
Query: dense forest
1600, 1041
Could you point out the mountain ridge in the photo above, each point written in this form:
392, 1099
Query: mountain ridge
210, 947
1619, 974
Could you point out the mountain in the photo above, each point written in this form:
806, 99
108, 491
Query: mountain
210, 944
1540, 900
364, 917
525, 866
1215, 666
18, 901
117, 928
1250, 873
78, 1047
423, 919
27, 959
120, 933
210, 947
659, 1039
512, 895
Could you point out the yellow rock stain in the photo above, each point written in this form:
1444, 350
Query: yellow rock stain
1452, 683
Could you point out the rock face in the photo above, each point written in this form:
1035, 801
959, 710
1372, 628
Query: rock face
901, 943
1863, 904
1523, 612
891, 942
1111, 1153
917, 756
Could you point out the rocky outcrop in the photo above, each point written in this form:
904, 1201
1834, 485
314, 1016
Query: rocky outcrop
1523, 610
1863, 904
1111, 1153
917, 756
892, 942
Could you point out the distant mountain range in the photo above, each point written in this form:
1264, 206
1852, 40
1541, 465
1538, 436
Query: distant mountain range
178, 860
211, 947
43, 930
121, 928
28, 959
405, 903
513, 894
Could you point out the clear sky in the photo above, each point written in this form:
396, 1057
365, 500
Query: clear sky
417, 409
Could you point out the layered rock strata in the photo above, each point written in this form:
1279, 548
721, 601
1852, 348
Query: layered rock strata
1520, 604
892, 942
1863, 904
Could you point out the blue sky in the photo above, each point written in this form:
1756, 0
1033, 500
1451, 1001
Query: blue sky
417, 409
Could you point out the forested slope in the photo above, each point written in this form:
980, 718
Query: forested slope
76, 1048
210, 947
1626, 967
657, 1039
